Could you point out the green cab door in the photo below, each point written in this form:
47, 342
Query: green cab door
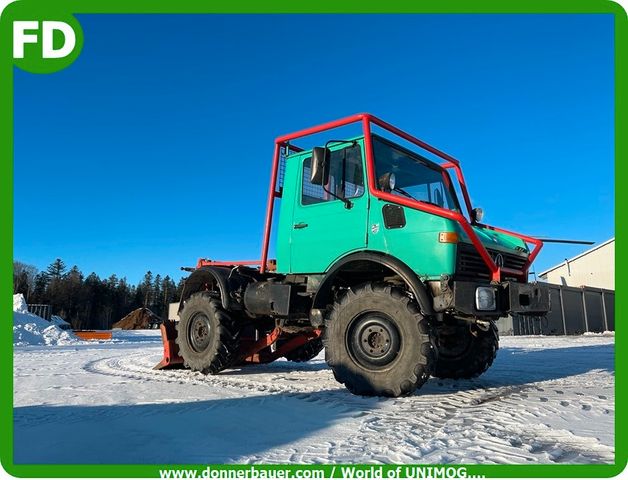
323, 228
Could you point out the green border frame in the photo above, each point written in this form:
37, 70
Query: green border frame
307, 6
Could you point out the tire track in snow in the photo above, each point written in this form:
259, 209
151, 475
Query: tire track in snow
486, 422
139, 367
443, 422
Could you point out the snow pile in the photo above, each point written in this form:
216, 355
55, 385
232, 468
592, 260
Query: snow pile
19, 304
605, 333
29, 329
60, 322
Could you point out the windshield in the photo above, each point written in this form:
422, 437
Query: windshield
415, 176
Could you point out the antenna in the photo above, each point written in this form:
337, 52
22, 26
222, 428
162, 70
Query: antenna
556, 240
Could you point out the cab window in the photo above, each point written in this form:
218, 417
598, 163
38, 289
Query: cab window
415, 176
346, 177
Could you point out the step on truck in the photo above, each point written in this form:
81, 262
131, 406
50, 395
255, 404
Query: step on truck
381, 260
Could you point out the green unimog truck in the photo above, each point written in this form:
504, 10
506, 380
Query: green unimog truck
380, 259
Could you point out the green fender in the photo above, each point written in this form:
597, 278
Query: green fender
323, 297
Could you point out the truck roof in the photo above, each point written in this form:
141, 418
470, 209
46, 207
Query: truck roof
384, 139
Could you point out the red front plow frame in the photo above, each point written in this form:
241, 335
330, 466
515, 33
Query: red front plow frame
251, 351
171, 349
258, 352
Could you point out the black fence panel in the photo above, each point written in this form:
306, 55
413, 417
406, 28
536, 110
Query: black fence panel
573, 312
555, 324
609, 307
594, 311
527, 325
516, 330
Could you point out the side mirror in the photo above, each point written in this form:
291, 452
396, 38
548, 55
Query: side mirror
319, 173
477, 214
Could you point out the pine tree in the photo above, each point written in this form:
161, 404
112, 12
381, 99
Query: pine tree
92, 301
40, 289
169, 294
157, 302
147, 289
71, 293
56, 269
180, 287
169, 290
54, 290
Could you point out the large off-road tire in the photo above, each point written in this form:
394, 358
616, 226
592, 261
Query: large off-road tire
206, 334
378, 343
465, 351
306, 352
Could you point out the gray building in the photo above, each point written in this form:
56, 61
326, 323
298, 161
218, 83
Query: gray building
593, 268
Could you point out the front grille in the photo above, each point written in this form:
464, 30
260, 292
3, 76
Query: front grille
469, 263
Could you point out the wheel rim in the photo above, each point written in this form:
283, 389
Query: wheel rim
199, 332
373, 340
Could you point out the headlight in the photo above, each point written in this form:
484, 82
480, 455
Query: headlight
485, 298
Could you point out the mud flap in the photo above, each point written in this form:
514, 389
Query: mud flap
171, 357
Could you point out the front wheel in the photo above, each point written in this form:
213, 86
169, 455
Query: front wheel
207, 335
378, 343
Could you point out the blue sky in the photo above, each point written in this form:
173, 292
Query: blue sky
154, 147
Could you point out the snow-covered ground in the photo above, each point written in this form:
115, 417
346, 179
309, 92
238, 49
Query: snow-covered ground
545, 400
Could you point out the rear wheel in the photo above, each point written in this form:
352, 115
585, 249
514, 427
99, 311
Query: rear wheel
464, 350
378, 343
306, 352
206, 334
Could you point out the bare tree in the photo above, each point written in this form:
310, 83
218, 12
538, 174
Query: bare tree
23, 278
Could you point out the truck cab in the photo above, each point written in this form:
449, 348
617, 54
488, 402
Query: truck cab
322, 223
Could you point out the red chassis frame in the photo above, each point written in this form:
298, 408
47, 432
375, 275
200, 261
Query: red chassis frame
366, 120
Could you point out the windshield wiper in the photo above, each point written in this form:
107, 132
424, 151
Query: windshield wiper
431, 203
402, 191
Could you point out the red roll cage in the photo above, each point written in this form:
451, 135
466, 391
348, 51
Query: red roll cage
366, 120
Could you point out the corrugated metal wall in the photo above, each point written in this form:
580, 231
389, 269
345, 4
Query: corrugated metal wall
574, 311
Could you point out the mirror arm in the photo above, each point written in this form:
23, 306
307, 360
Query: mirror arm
346, 201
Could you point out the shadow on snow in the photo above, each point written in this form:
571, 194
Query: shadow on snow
209, 431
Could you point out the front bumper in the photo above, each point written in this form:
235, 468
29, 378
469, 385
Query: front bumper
510, 297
